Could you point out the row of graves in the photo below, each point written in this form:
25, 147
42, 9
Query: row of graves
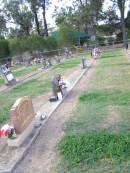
23, 117
25, 124
24, 121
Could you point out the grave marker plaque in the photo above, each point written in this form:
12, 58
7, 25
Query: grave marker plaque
22, 114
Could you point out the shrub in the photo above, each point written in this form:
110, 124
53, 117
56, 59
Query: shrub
119, 37
51, 43
101, 40
4, 51
32, 44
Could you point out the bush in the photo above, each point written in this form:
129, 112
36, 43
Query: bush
16, 47
4, 51
101, 40
66, 36
119, 37
32, 44
51, 43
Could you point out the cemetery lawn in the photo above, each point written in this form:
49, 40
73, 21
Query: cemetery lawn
34, 87
25, 70
97, 137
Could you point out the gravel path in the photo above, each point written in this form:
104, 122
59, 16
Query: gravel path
43, 153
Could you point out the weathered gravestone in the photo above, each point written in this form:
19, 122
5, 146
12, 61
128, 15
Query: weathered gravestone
84, 62
7, 75
23, 119
22, 114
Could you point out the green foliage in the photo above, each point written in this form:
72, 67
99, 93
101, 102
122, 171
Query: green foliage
16, 46
119, 37
111, 40
31, 44
21, 15
4, 50
94, 146
101, 40
51, 43
2, 23
128, 20
66, 36
128, 34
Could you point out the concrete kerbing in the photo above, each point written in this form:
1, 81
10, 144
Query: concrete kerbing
37, 132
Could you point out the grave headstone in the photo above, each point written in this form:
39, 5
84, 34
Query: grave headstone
7, 74
84, 62
22, 114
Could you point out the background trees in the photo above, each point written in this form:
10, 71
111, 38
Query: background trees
25, 24
121, 6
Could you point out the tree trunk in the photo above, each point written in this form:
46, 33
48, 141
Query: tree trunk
27, 31
123, 28
36, 22
121, 5
44, 18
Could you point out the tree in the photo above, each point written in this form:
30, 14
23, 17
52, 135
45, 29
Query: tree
4, 51
84, 15
128, 20
111, 21
34, 4
18, 13
44, 4
121, 5
2, 24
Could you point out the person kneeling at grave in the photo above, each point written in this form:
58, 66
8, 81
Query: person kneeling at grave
58, 88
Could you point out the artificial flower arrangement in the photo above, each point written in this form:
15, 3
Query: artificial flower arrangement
8, 131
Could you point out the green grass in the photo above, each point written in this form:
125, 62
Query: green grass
1, 81
92, 147
69, 64
26, 70
33, 87
97, 136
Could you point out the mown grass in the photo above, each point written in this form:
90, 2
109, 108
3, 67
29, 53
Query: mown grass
1, 81
33, 87
92, 147
25, 70
97, 136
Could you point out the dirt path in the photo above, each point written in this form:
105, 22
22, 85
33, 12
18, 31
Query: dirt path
43, 153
